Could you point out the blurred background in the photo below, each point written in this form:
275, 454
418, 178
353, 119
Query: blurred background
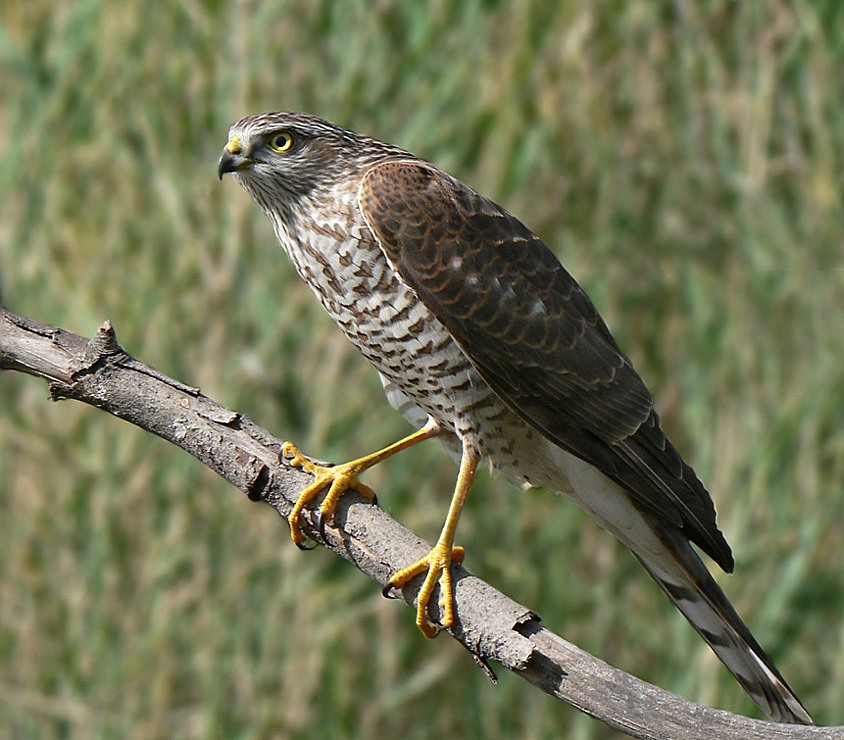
685, 160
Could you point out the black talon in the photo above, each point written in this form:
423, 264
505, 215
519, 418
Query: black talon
320, 522
388, 592
304, 546
374, 499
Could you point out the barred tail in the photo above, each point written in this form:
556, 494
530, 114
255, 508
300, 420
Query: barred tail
670, 558
688, 583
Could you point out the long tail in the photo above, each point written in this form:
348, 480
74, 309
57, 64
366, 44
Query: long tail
688, 583
672, 561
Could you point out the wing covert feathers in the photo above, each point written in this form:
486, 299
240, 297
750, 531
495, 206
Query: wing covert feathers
533, 335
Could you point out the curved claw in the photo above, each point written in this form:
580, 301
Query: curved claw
321, 519
389, 591
290, 452
304, 546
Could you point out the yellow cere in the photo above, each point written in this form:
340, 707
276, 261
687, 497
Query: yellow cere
233, 147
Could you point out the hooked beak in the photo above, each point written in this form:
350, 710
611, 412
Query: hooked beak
233, 158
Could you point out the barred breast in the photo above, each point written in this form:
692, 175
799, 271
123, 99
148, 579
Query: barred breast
424, 372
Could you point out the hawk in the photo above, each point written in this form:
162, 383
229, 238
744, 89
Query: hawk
483, 340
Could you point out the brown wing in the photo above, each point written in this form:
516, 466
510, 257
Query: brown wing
533, 335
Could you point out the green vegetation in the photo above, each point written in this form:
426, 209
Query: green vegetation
686, 158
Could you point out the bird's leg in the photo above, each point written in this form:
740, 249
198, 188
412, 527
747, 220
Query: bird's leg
340, 478
437, 563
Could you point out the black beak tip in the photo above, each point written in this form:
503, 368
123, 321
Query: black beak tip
231, 162
225, 164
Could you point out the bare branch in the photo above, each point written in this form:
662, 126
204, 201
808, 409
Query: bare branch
490, 625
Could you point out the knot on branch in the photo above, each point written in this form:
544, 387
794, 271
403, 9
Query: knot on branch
100, 348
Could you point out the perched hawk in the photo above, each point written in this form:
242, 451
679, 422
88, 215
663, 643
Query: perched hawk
482, 339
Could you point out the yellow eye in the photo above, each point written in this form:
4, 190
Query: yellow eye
281, 141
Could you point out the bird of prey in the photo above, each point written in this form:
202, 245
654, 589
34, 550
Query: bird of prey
483, 340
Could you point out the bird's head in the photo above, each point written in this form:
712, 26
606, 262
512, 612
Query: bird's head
290, 155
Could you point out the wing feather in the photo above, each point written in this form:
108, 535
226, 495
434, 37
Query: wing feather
533, 335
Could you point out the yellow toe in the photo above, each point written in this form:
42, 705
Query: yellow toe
336, 478
437, 568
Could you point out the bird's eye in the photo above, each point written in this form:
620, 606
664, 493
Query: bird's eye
281, 141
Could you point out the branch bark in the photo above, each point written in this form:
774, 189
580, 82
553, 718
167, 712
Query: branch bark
490, 625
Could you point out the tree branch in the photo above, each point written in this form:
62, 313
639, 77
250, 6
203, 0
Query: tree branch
489, 624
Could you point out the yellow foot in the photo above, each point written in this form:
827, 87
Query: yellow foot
337, 478
437, 563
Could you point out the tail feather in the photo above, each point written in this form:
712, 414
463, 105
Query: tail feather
688, 583
666, 553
